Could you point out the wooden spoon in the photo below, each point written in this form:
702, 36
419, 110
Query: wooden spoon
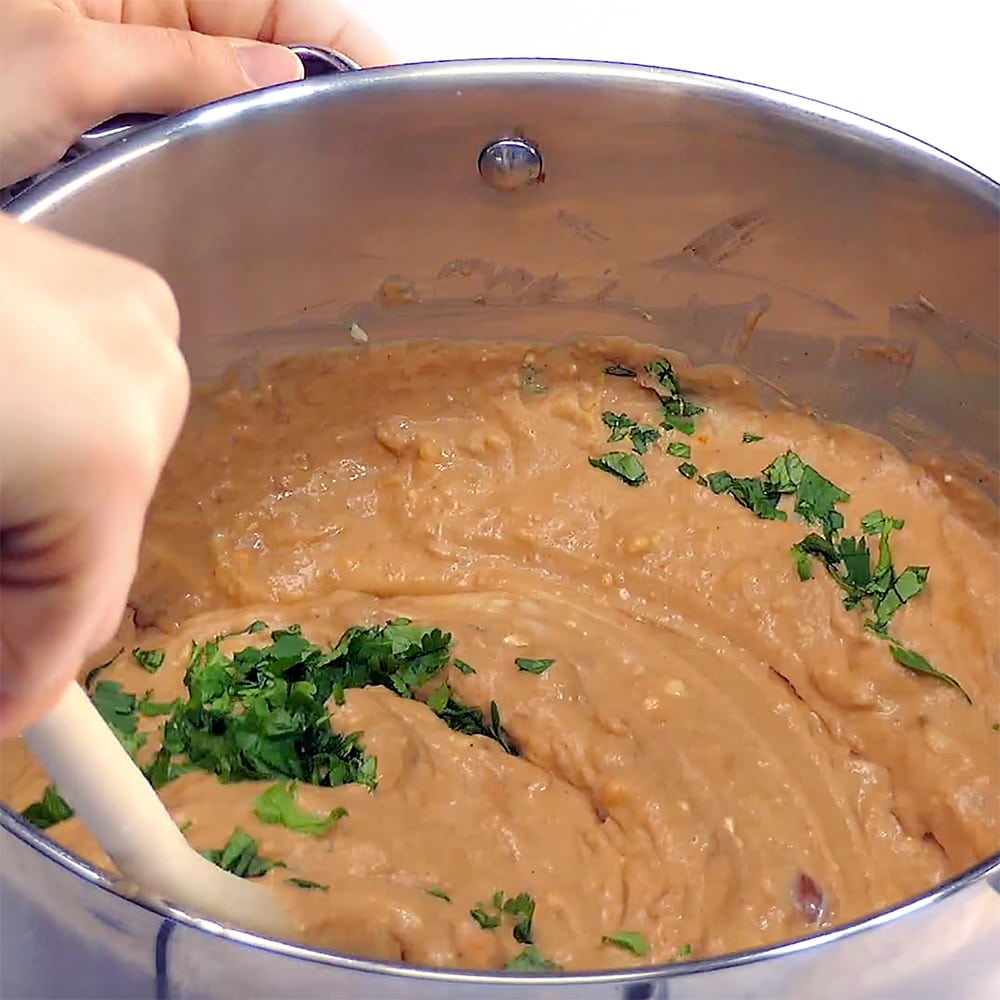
107, 790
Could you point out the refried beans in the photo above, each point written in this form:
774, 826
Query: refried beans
643, 719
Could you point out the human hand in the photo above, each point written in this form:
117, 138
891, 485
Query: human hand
93, 390
69, 64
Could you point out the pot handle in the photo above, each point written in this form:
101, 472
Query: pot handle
316, 62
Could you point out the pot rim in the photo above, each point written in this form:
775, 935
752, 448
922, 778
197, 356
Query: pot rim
55, 189
79, 174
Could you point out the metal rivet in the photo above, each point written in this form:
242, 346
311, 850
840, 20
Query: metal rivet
509, 164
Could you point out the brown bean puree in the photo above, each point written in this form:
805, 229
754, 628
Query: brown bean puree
720, 756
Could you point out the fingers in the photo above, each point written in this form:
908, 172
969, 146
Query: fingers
327, 23
163, 70
93, 390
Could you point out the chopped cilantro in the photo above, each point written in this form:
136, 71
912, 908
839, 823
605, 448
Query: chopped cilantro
754, 493
817, 498
239, 856
803, 564
148, 708
749, 438
520, 907
533, 666
846, 558
687, 470
277, 805
643, 436
618, 423
148, 659
912, 660
305, 883
438, 892
52, 808
679, 449
622, 426
497, 732
488, 921
785, 473
438, 699
469, 720
261, 713
623, 465
676, 410
118, 708
683, 952
463, 668
620, 370
631, 941
530, 959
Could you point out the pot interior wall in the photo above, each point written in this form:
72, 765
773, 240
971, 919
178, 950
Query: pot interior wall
850, 268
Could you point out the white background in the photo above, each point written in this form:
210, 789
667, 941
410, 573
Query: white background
927, 67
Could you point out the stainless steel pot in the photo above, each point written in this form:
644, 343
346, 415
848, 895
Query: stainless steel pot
850, 267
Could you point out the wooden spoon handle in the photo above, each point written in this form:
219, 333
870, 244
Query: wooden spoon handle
120, 808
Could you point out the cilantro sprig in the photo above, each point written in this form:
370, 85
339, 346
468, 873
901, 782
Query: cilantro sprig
877, 587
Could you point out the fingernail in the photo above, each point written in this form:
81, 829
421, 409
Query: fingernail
265, 65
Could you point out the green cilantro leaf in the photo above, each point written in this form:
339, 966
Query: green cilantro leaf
530, 959
679, 449
148, 708
683, 952
618, 423
438, 892
803, 564
753, 493
148, 659
239, 856
463, 668
52, 808
620, 370
817, 498
749, 438
118, 708
785, 473
305, 883
277, 805
438, 699
488, 921
622, 465
522, 908
912, 660
631, 941
533, 666
687, 470
875, 523
642, 436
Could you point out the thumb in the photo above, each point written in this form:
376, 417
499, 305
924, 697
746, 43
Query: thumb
162, 70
